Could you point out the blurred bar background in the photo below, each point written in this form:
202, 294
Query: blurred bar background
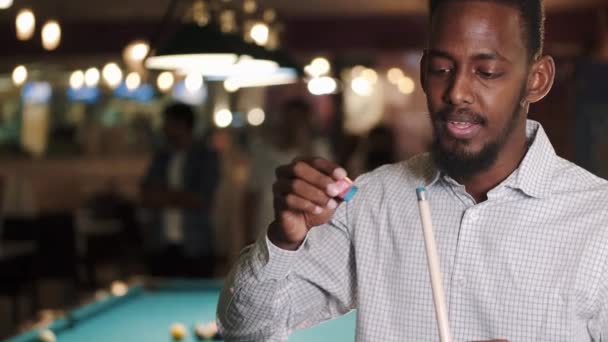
81, 118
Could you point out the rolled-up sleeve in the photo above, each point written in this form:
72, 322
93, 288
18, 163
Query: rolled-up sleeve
271, 292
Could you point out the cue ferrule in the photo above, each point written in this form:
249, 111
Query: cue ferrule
421, 193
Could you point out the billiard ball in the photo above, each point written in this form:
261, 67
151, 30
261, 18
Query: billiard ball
47, 335
118, 288
178, 331
205, 331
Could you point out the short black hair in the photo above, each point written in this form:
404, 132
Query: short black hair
180, 112
533, 14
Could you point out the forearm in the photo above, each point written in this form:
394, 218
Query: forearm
273, 291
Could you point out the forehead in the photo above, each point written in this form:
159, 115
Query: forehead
466, 28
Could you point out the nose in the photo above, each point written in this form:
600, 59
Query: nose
459, 92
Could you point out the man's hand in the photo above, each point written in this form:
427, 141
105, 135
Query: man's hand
304, 193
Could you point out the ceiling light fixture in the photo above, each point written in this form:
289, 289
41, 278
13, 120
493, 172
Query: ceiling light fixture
204, 45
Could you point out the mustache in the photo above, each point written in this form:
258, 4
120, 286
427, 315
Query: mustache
460, 115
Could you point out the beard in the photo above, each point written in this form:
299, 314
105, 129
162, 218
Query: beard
461, 164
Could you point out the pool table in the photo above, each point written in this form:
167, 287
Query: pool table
146, 312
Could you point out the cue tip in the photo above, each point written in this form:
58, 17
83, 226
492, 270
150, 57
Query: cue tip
421, 193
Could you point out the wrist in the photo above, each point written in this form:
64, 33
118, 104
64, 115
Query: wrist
277, 237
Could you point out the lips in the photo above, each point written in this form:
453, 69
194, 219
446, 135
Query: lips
462, 125
462, 130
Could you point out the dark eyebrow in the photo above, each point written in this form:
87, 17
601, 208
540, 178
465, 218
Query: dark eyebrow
479, 56
489, 56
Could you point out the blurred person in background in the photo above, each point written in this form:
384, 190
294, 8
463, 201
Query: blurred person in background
591, 104
178, 189
291, 134
228, 220
600, 51
376, 149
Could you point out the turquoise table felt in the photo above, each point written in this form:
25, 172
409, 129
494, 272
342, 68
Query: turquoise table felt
146, 314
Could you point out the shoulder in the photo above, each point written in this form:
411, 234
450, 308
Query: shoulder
569, 177
388, 187
393, 184
584, 196
416, 171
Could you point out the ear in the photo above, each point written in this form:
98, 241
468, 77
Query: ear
423, 70
540, 79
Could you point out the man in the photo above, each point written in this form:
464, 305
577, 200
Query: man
179, 188
522, 233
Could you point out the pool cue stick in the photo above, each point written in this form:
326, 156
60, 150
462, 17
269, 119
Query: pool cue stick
441, 311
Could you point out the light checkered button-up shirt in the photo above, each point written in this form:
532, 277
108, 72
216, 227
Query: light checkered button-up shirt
528, 264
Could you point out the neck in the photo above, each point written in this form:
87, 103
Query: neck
509, 158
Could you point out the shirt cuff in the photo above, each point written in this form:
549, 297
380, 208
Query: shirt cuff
272, 262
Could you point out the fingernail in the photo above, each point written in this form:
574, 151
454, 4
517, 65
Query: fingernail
339, 173
332, 190
318, 210
342, 185
332, 204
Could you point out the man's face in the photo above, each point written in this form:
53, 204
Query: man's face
475, 74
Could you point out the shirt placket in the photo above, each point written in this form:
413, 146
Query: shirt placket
462, 262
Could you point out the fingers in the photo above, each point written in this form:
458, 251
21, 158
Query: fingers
291, 202
304, 190
303, 198
318, 172
329, 168
321, 165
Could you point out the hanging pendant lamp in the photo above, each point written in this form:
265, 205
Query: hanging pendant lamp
218, 55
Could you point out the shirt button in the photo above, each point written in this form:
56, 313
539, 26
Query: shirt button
461, 281
474, 216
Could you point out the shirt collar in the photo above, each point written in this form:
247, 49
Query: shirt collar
431, 174
534, 174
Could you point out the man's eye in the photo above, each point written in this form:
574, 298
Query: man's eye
488, 75
440, 71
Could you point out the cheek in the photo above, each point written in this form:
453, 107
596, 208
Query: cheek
492, 101
501, 97
499, 107
434, 96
